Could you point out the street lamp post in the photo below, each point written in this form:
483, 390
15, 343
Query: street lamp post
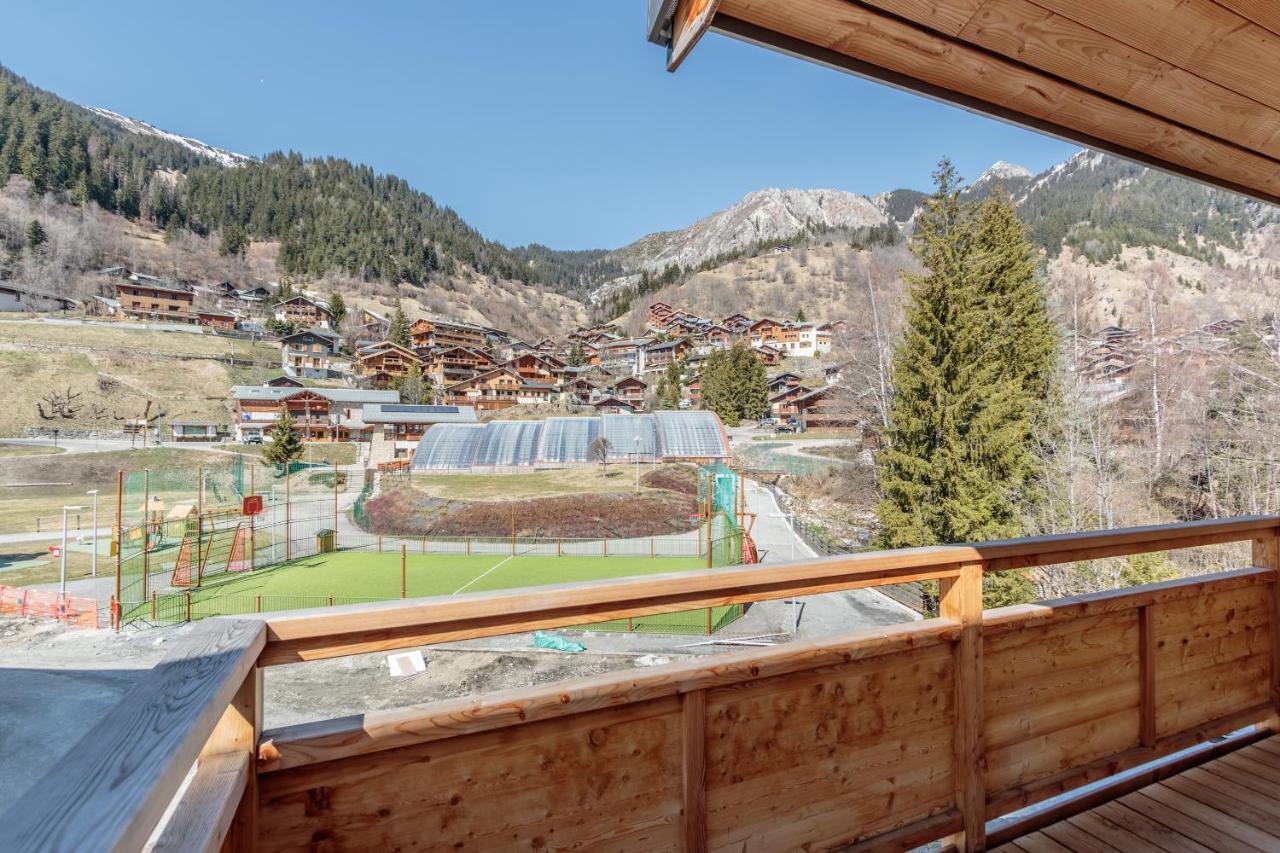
93, 558
637, 456
62, 585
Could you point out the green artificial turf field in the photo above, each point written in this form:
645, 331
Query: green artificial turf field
350, 577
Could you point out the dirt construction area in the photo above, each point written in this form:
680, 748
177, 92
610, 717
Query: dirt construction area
58, 682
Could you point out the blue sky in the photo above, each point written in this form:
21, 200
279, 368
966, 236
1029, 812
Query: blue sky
538, 122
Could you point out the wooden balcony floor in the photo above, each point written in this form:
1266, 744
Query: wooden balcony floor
1229, 804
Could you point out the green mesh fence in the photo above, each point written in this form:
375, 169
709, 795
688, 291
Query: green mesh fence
201, 507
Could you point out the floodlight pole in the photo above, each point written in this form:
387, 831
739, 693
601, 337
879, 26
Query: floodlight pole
93, 559
62, 584
637, 456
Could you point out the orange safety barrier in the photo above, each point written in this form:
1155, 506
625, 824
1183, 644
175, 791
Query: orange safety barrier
235, 559
182, 566
47, 604
749, 554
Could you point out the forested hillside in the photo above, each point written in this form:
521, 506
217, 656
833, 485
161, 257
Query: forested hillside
329, 215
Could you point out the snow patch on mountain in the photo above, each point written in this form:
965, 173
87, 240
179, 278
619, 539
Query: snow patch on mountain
133, 125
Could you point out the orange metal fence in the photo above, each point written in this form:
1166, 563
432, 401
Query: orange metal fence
49, 604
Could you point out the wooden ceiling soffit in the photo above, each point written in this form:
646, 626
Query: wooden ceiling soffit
1189, 86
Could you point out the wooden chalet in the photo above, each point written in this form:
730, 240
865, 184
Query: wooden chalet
825, 407
658, 356
769, 355
309, 353
782, 403
1134, 719
693, 391
612, 406
304, 311
660, 314
219, 321
718, 335
536, 368
631, 389
459, 334
149, 299
783, 380
384, 362
499, 388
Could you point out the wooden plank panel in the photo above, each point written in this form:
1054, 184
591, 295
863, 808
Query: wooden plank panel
1151, 831
1026, 32
332, 739
831, 756
208, 806
1262, 12
693, 726
1038, 842
1189, 826
1113, 833
1082, 706
1200, 36
1212, 658
130, 765
1224, 796
907, 54
1219, 814
609, 779
1078, 840
1245, 778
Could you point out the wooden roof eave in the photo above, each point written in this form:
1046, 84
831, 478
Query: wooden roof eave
1163, 84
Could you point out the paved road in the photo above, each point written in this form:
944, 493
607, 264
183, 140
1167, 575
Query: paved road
808, 616
104, 445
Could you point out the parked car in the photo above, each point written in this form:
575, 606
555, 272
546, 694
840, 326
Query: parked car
253, 439
787, 427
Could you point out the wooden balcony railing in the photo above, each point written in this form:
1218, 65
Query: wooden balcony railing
876, 739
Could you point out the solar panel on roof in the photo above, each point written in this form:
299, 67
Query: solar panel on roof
401, 408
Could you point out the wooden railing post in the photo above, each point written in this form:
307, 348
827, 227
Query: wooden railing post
238, 732
693, 724
960, 598
1147, 731
1266, 555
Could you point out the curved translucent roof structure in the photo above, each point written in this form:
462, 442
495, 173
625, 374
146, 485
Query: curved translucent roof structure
509, 443
691, 434
567, 441
448, 447
630, 434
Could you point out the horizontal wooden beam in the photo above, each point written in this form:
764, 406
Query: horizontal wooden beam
1016, 617
856, 38
358, 629
329, 740
127, 768
203, 816
1116, 788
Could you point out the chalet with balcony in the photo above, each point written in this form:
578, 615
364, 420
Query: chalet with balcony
322, 414
783, 380
499, 388
149, 299
311, 353
384, 362
219, 321
304, 311
459, 334
693, 392
782, 403
658, 356
631, 389
537, 368
718, 335
659, 315
825, 407
625, 355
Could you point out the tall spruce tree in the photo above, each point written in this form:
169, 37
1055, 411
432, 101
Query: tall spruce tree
735, 384
399, 332
971, 376
337, 309
286, 444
